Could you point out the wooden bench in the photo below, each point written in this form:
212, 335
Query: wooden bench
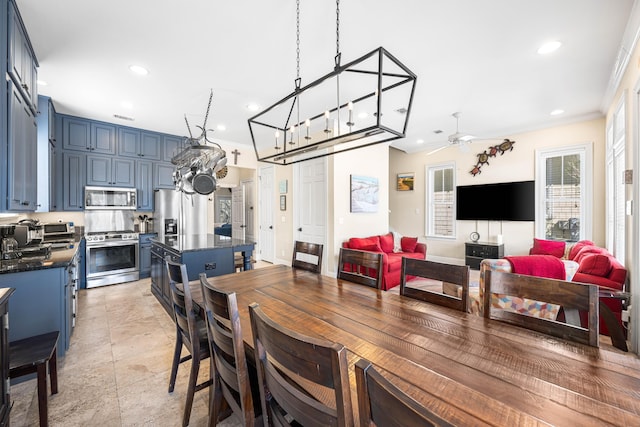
30, 355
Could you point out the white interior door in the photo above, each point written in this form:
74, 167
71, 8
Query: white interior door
237, 213
266, 242
311, 203
249, 200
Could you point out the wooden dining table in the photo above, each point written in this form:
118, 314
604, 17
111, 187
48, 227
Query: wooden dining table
465, 368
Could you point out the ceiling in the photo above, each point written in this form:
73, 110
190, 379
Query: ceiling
477, 57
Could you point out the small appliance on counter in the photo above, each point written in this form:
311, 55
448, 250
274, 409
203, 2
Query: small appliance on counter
8, 244
36, 230
59, 234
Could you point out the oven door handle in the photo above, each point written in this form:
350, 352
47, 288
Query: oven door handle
111, 244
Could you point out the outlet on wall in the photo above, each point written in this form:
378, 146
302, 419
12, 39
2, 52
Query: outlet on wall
626, 314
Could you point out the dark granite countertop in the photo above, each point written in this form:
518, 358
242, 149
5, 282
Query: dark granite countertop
5, 293
59, 258
199, 242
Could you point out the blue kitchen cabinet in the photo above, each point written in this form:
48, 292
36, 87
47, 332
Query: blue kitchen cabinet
145, 254
163, 175
150, 146
76, 134
22, 153
103, 138
171, 147
133, 143
74, 166
22, 64
144, 185
128, 142
39, 304
110, 171
87, 135
47, 166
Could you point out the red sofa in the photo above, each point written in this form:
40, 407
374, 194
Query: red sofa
392, 261
595, 266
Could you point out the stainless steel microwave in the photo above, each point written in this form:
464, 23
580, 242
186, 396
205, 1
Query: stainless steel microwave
105, 198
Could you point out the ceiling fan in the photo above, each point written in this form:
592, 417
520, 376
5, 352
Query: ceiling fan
461, 139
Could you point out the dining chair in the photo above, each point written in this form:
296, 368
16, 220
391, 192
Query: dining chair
190, 332
303, 380
445, 273
33, 355
309, 252
362, 267
232, 381
381, 403
572, 296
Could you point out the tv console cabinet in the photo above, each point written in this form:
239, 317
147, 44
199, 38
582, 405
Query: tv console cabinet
475, 252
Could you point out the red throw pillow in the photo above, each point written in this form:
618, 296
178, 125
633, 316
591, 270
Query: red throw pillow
596, 265
386, 243
547, 247
587, 250
364, 242
371, 248
576, 248
408, 244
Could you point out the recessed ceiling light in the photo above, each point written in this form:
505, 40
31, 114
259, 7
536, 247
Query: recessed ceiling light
221, 127
557, 112
253, 107
137, 69
42, 83
549, 47
127, 105
420, 141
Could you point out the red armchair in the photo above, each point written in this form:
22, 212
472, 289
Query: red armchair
391, 260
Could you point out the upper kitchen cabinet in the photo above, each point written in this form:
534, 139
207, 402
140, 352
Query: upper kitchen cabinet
133, 143
171, 147
22, 65
110, 171
22, 153
46, 120
73, 180
87, 135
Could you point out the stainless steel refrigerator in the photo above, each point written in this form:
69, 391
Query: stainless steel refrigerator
187, 212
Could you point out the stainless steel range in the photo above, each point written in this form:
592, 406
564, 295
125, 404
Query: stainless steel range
112, 257
112, 248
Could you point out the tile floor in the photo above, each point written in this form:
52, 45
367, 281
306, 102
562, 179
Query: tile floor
116, 371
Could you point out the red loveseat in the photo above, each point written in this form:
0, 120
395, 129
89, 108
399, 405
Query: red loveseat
595, 266
392, 261
599, 267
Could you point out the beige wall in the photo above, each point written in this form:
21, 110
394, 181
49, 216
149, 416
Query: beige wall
283, 220
371, 162
407, 209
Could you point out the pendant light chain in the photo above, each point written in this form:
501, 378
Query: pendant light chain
297, 41
337, 27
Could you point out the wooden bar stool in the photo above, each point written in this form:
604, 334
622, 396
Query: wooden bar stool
30, 355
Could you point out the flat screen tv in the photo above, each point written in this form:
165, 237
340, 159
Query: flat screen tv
505, 201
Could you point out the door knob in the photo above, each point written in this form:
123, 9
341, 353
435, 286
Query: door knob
300, 229
271, 227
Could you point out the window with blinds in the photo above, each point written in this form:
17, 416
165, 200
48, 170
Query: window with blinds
616, 186
562, 185
440, 200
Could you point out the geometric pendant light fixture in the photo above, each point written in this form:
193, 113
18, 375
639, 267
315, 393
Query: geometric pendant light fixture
364, 102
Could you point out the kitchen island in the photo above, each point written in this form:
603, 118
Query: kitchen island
44, 297
202, 253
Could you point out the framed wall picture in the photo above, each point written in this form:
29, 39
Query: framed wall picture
283, 203
405, 181
364, 194
283, 186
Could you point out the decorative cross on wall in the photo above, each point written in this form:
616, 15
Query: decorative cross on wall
235, 153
